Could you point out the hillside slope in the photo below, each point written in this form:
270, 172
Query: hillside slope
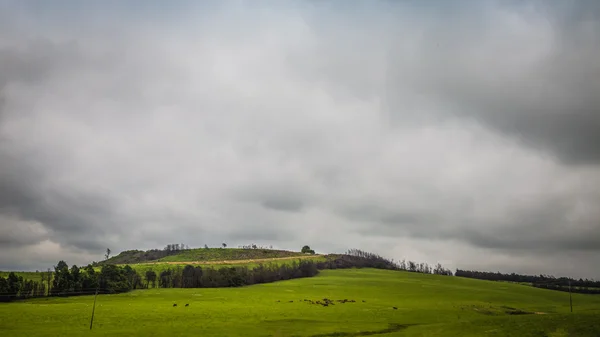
364, 302
198, 255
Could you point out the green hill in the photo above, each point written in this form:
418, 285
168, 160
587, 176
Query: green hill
364, 302
198, 255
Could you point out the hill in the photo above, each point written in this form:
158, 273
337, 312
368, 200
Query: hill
198, 255
362, 303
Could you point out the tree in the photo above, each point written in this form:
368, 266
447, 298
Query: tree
62, 278
89, 279
224, 245
48, 279
13, 283
307, 250
75, 279
107, 255
150, 278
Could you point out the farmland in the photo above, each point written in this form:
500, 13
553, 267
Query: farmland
426, 305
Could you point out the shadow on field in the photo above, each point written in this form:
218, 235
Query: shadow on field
392, 328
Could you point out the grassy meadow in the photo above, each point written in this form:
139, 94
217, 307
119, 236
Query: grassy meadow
219, 254
427, 305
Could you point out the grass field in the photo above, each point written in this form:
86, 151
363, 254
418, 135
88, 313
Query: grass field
427, 305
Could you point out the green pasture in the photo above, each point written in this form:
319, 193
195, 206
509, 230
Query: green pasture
427, 305
220, 254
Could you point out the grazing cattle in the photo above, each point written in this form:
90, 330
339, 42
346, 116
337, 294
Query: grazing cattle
291, 301
187, 304
395, 308
174, 304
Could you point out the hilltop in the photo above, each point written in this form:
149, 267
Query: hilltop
199, 255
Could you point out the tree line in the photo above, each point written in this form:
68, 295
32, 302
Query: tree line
65, 281
539, 281
373, 260
15, 287
111, 278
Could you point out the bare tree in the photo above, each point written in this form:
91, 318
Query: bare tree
107, 255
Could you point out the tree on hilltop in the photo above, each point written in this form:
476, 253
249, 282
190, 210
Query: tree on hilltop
307, 250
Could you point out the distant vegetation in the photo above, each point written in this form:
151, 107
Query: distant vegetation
182, 253
178, 266
112, 278
307, 250
542, 281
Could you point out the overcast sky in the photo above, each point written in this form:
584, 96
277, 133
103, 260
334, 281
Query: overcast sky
464, 132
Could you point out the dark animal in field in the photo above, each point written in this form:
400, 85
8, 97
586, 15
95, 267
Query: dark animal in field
174, 304
291, 301
395, 308
187, 304
278, 301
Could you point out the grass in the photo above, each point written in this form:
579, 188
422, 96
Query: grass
200, 255
220, 254
427, 305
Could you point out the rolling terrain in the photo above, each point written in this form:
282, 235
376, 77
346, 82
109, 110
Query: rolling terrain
199, 255
363, 302
160, 260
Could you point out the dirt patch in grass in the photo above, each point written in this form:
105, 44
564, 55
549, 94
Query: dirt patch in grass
391, 328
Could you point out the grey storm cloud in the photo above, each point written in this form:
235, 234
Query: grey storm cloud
464, 133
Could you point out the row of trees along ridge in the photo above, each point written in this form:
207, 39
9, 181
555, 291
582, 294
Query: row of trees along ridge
542, 281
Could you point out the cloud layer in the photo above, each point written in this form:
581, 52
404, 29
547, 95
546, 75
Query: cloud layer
466, 134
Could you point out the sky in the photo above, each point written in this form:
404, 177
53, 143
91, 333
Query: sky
459, 132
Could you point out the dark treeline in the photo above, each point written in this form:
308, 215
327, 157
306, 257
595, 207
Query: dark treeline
209, 277
65, 281
359, 258
134, 256
15, 287
542, 281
